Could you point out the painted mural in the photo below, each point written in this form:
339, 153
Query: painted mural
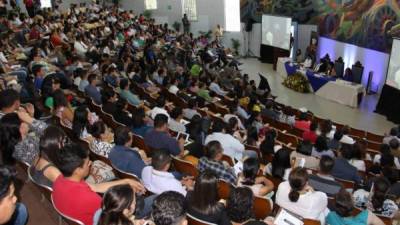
366, 23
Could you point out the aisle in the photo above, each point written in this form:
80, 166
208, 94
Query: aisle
361, 118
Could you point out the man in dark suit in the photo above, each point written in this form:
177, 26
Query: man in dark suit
343, 169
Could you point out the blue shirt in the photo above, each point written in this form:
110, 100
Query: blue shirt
93, 93
334, 219
38, 83
127, 160
131, 98
344, 170
161, 140
141, 130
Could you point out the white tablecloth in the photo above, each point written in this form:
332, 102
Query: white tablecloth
280, 66
342, 92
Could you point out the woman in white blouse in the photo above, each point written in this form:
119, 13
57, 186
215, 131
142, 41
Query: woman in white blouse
298, 197
102, 139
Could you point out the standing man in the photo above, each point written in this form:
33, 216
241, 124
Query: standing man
186, 24
218, 33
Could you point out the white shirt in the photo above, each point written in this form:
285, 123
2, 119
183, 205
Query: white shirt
80, 48
176, 126
311, 205
217, 89
227, 117
157, 110
232, 146
377, 159
160, 181
359, 164
173, 89
347, 140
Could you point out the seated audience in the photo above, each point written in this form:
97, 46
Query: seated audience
15, 142
109, 98
377, 200
157, 179
281, 164
232, 147
159, 138
302, 123
297, 196
335, 143
91, 90
394, 132
203, 203
169, 209
323, 180
12, 212
191, 111
102, 138
212, 161
268, 145
321, 148
343, 213
44, 171
358, 156
260, 185
140, 123
311, 135
240, 207
82, 122
175, 123
121, 114
127, 94
74, 164
342, 168
303, 152
123, 157
159, 108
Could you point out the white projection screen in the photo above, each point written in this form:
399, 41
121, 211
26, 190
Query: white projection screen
275, 31
393, 76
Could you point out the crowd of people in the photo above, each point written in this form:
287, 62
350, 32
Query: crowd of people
59, 66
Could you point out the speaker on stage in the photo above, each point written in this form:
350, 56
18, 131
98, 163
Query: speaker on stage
249, 25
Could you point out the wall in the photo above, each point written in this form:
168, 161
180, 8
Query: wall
209, 12
366, 23
371, 60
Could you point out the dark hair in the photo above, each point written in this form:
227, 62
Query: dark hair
97, 129
36, 68
107, 94
325, 127
80, 121
59, 99
232, 123
394, 131
168, 208
160, 102
381, 187
160, 120
212, 149
120, 104
326, 164
123, 83
176, 112
394, 144
338, 135
10, 135
192, 103
91, 78
8, 98
251, 166
321, 144
303, 116
267, 146
115, 201
7, 175
252, 135
51, 141
160, 158
69, 158
343, 203
347, 151
218, 126
138, 118
313, 125
121, 136
297, 179
204, 198
240, 204
358, 150
280, 162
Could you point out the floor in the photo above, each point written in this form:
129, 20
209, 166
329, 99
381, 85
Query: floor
360, 118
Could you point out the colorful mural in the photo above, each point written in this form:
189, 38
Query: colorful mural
366, 23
